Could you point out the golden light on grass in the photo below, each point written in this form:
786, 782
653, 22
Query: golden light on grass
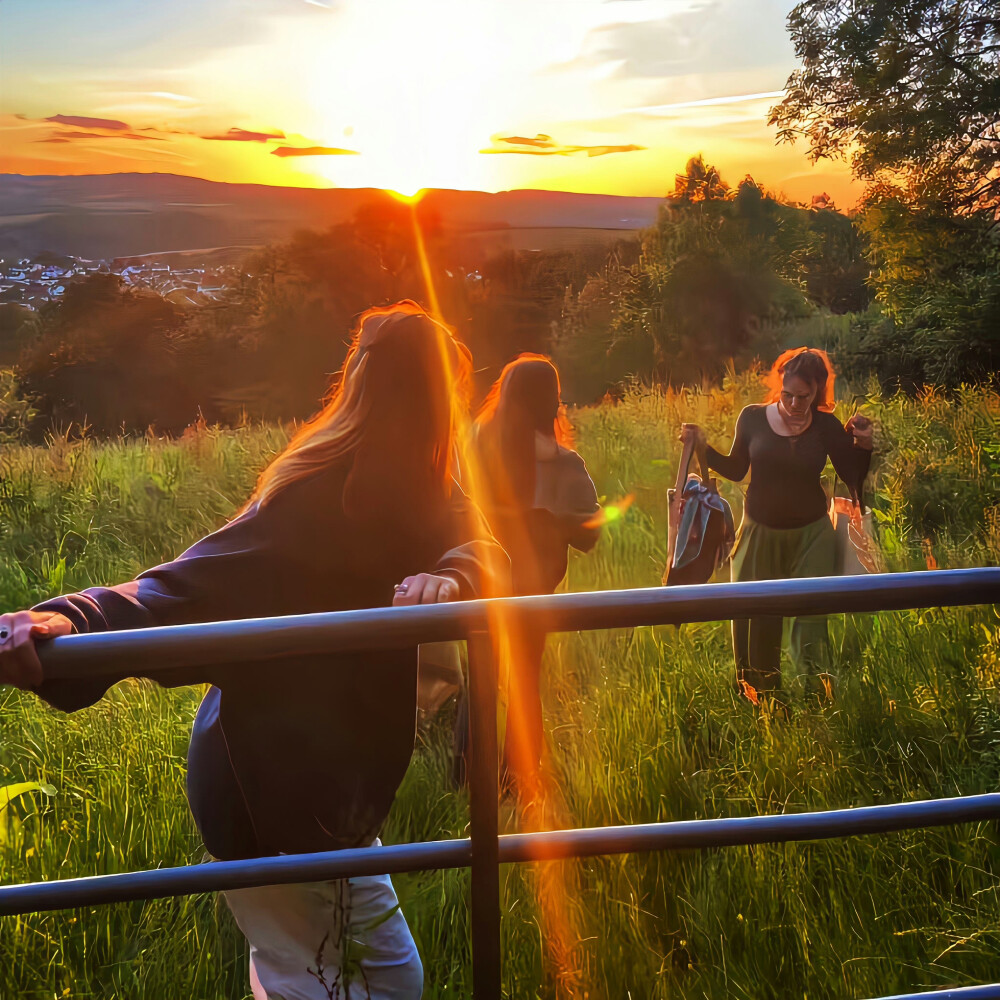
645, 728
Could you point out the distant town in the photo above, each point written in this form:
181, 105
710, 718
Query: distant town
33, 282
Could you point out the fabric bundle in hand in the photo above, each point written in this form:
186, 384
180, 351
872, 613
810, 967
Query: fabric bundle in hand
705, 534
700, 527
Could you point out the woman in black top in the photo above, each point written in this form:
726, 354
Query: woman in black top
784, 444
359, 511
539, 500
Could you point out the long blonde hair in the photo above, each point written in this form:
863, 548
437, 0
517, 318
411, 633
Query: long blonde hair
404, 383
523, 400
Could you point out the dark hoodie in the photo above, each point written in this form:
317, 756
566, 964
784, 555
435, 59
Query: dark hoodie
305, 754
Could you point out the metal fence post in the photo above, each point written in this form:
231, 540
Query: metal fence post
483, 796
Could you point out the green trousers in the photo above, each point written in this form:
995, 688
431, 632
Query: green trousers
764, 553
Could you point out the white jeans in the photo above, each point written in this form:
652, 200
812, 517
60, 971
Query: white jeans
345, 939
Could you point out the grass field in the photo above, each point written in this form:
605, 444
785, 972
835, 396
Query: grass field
643, 726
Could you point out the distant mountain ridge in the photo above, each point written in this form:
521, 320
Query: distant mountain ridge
120, 215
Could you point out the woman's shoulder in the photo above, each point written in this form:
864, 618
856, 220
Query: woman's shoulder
571, 465
563, 484
752, 412
569, 458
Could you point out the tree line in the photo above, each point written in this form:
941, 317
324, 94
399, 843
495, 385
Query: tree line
906, 288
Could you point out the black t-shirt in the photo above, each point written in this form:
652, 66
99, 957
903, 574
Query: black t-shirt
785, 489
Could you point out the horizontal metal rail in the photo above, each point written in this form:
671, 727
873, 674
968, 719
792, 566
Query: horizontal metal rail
255, 639
517, 847
146, 652
991, 992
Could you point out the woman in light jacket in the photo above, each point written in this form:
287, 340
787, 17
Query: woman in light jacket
359, 511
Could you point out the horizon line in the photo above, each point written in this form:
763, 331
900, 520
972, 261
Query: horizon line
775, 193
332, 187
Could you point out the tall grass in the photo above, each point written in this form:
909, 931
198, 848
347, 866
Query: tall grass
643, 725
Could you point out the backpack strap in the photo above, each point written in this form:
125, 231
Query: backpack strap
674, 503
684, 466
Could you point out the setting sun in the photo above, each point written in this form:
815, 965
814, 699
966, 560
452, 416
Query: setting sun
588, 96
414, 104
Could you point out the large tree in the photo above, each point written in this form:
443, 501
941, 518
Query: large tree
908, 90
725, 275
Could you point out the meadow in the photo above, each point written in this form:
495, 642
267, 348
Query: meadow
643, 726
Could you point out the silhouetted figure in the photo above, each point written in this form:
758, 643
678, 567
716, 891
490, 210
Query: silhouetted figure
359, 511
786, 531
539, 499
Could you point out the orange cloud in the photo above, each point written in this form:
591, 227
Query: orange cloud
542, 141
111, 128
312, 151
110, 124
69, 136
545, 145
242, 135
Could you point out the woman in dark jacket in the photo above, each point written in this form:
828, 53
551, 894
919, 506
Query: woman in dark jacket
786, 532
359, 511
539, 500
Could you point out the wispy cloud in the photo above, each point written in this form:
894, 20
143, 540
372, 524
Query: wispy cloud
708, 102
545, 145
64, 136
111, 124
113, 128
166, 95
242, 135
312, 151
693, 38
541, 141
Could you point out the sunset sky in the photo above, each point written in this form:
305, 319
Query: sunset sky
606, 96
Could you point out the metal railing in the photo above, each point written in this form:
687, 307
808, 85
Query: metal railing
254, 640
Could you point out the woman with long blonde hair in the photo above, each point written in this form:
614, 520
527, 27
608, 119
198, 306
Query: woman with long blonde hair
784, 443
360, 510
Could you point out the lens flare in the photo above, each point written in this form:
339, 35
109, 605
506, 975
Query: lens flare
540, 805
610, 513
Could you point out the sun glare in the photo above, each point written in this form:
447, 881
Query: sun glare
417, 103
408, 198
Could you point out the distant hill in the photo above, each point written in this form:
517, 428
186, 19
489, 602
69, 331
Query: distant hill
123, 215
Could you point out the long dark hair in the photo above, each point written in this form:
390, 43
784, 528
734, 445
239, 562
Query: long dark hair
523, 400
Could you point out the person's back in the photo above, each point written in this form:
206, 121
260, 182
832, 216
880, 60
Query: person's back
564, 501
533, 487
306, 755
539, 500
